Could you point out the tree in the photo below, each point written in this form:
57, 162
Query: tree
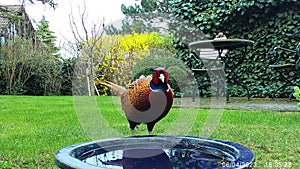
67, 76
123, 52
85, 43
32, 68
143, 18
149, 7
111, 57
49, 76
52, 3
19, 64
45, 35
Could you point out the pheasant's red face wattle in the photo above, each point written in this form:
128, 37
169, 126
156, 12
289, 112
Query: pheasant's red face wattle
155, 77
160, 76
167, 77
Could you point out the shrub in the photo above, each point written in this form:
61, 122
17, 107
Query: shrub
297, 94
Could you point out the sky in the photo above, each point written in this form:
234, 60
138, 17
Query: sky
109, 10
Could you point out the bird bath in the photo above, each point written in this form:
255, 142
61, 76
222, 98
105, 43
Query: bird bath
160, 152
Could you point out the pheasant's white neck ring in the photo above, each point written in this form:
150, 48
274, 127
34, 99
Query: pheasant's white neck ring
159, 88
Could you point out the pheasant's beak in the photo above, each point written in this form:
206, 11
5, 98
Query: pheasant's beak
162, 78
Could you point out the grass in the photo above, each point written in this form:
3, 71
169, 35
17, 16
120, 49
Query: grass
32, 129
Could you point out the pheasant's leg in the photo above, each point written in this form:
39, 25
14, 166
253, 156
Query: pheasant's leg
132, 125
150, 127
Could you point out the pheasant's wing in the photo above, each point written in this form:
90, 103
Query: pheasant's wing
137, 96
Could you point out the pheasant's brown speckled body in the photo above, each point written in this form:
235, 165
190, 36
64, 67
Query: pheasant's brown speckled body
148, 99
142, 105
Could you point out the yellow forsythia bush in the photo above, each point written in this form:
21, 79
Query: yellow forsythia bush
114, 56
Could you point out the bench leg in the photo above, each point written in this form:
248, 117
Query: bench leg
288, 83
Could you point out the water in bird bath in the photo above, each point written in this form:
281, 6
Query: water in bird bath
165, 159
160, 152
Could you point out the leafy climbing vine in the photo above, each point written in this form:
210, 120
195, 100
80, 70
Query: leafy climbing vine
269, 23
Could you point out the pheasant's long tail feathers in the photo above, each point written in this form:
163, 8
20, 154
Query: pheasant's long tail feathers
119, 90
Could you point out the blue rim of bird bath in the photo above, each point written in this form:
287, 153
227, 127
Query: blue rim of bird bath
155, 152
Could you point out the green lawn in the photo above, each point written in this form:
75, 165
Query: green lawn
32, 129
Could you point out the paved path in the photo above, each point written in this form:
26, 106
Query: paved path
239, 103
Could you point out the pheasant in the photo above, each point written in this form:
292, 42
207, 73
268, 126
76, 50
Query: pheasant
147, 100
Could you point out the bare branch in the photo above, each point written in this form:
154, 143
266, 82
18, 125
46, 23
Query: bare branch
92, 38
74, 27
83, 18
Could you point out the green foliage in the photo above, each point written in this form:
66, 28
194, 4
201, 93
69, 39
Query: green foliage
67, 76
143, 67
147, 6
45, 35
2, 81
114, 56
268, 23
51, 3
30, 69
297, 94
141, 18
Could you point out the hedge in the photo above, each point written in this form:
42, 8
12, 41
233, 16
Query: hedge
269, 23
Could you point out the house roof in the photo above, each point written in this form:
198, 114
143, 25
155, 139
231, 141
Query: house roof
11, 13
7, 12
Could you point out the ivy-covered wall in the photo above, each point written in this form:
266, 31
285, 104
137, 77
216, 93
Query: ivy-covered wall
269, 23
